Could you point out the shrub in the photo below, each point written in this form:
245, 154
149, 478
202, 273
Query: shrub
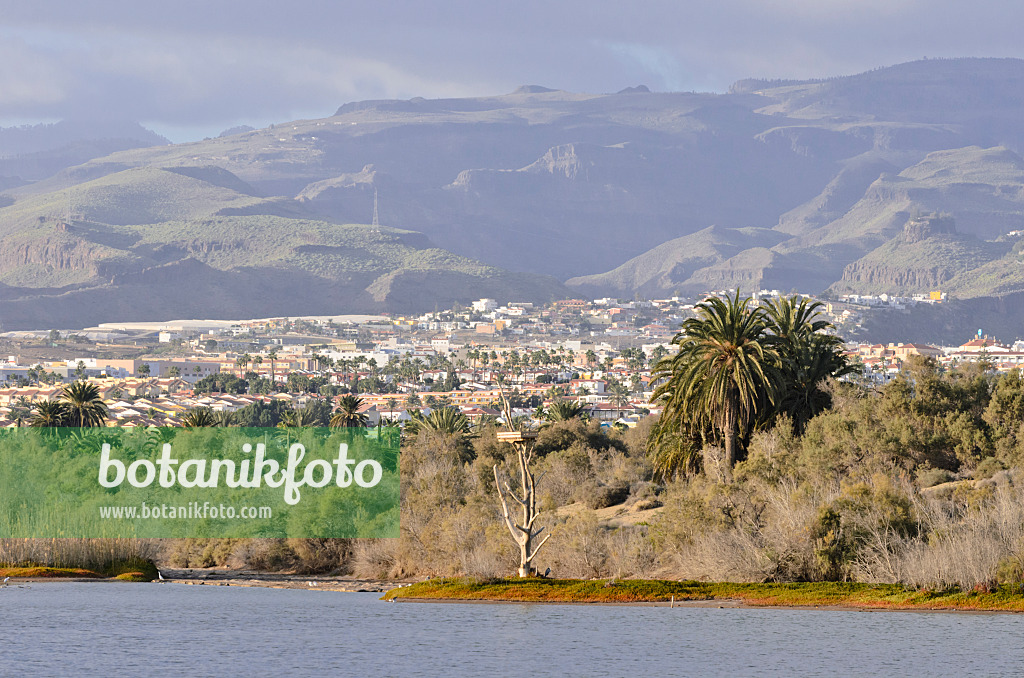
930, 477
987, 468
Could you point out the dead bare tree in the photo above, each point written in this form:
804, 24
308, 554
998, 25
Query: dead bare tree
523, 530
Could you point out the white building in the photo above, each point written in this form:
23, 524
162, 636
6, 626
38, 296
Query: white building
485, 305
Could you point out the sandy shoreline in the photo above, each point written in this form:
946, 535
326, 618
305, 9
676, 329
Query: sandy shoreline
246, 578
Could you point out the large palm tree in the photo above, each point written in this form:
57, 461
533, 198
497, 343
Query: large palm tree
199, 417
49, 414
444, 419
85, 407
723, 375
298, 418
348, 415
808, 357
564, 410
224, 418
619, 394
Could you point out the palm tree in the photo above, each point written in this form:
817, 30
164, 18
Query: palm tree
724, 374
224, 418
242, 362
449, 420
808, 357
199, 417
49, 414
564, 410
348, 415
298, 418
272, 356
85, 407
620, 394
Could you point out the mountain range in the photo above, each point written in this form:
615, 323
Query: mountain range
903, 179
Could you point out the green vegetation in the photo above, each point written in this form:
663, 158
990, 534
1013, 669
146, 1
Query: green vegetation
347, 414
130, 570
739, 367
824, 594
125, 559
79, 405
448, 420
137, 233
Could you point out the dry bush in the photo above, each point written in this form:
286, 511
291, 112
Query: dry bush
200, 552
741, 533
321, 555
561, 474
580, 547
92, 554
577, 549
268, 555
726, 555
376, 559
970, 541
631, 553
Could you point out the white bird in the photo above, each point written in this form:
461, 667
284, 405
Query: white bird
7, 579
160, 576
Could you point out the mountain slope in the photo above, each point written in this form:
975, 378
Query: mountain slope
151, 243
572, 185
671, 266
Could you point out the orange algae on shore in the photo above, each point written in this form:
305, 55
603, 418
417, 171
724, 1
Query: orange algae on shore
817, 594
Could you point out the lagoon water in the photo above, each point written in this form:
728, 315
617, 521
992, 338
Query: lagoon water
172, 629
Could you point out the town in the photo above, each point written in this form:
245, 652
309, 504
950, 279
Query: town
598, 353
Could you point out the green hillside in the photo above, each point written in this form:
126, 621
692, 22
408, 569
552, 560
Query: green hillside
149, 243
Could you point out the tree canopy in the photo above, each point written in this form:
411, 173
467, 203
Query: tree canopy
739, 366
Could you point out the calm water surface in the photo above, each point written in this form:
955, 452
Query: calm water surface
170, 629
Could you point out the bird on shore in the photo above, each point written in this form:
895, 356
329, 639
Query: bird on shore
160, 576
6, 579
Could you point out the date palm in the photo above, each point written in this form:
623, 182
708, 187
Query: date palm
444, 419
49, 414
724, 374
84, 406
348, 415
272, 356
298, 418
199, 417
808, 357
564, 410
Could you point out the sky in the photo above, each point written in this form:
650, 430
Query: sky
192, 68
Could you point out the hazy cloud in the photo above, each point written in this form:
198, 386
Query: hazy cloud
201, 65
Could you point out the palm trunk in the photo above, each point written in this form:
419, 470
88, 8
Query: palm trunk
731, 438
